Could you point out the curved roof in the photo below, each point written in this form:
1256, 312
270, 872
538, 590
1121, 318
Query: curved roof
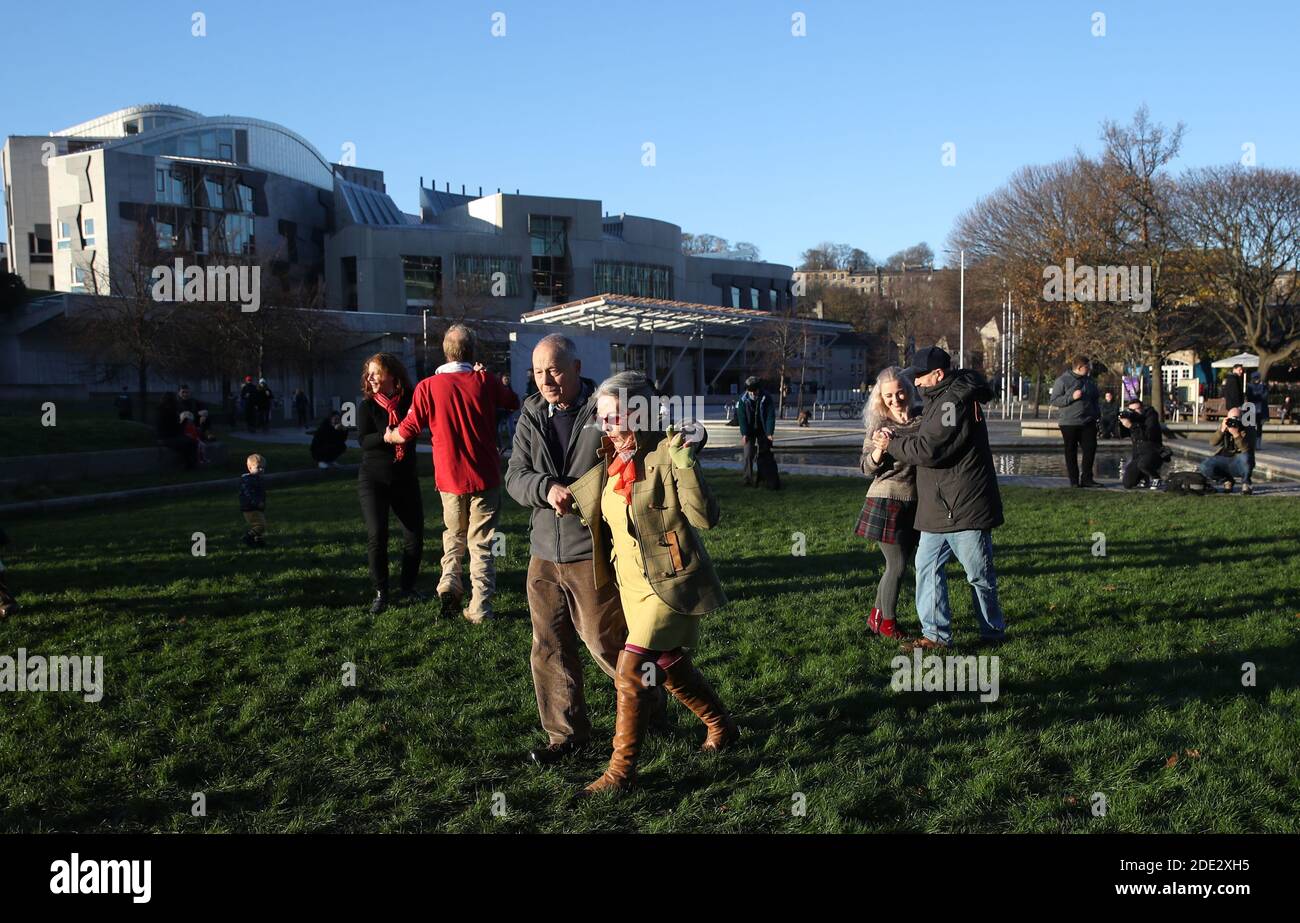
271, 146
111, 123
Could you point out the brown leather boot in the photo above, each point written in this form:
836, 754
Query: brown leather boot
690, 687
636, 700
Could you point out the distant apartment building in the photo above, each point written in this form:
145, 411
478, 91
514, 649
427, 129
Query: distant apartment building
877, 281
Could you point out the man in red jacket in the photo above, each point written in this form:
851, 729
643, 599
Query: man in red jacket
458, 403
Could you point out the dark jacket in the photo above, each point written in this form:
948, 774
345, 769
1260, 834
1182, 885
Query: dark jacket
1109, 408
1147, 435
668, 505
378, 458
763, 407
252, 493
1076, 411
1234, 391
328, 443
956, 484
169, 418
561, 539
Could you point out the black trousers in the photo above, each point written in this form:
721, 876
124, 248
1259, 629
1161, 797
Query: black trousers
1143, 465
1084, 436
402, 498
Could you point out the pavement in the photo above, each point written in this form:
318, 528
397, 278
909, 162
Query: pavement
822, 435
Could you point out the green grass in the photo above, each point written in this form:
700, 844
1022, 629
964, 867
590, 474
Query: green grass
279, 457
78, 427
223, 677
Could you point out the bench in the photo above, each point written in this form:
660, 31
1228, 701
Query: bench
1214, 408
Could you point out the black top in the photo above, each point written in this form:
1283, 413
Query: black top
956, 483
1147, 434
378, 458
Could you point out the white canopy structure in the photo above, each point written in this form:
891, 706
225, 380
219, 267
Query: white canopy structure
1247, 360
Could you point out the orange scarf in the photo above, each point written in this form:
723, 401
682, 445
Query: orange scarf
623, 470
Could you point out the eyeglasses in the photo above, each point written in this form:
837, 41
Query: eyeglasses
612, 419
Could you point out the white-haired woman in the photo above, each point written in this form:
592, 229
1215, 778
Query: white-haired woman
643, 502
889, 511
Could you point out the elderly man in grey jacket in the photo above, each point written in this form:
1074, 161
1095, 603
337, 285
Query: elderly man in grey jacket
556, 442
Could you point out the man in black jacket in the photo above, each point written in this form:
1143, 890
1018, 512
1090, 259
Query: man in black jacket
958, 503
1143, 425
1234, 387
556, 442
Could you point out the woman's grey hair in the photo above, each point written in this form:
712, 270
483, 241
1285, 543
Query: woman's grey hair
626, 384
874, 411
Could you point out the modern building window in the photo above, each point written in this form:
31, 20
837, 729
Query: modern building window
245, 194
548, 236
211, 144
170, 187
216, 192
78, 279
238, 232
88, 232
422, 278
753, 298
350, 282
476, 275
40, 248
65, 235
735, 297
166, 235
638, 279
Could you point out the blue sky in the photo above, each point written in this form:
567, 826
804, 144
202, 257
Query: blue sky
759, 135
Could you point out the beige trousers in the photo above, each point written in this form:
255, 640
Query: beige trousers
469, 521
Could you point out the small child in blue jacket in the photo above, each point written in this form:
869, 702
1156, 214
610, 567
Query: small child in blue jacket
252, 501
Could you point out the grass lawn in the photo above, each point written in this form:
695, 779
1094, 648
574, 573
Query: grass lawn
78, 427
279, 456
223, 676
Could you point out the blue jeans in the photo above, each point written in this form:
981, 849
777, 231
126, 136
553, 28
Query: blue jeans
1222, 467
974, 549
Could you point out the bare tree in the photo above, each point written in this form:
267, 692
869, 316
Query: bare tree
1246, 221
124, 323
915, 256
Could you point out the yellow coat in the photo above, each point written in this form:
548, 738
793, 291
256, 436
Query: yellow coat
668, 505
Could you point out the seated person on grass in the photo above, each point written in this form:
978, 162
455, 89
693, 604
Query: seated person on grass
330, 441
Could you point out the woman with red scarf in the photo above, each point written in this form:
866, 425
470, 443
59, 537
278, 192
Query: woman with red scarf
643, 502
387, 480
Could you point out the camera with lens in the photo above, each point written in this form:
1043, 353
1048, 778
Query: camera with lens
1233, 423
1133, 416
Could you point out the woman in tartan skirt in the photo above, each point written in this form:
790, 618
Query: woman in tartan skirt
890, 508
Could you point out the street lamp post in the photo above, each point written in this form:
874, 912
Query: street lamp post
961, 334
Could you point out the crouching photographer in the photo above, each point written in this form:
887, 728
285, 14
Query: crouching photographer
1149, 454
1235, 458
